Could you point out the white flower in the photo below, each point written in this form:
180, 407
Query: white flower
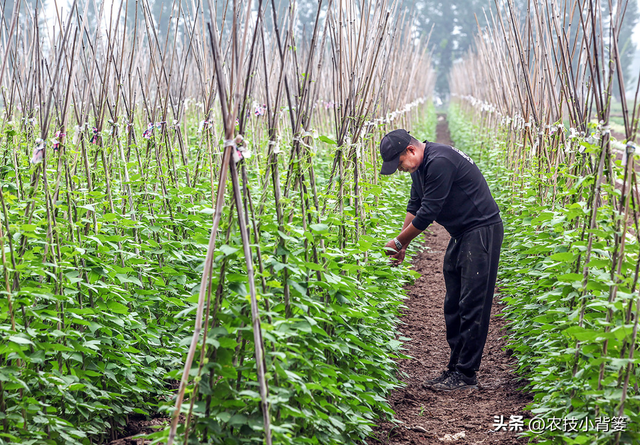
38, 152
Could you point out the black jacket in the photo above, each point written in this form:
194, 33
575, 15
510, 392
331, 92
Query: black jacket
448, 188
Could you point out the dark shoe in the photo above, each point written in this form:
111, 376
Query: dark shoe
441, 378
456, 380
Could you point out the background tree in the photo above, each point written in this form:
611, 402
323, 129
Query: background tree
454, 25
628, 49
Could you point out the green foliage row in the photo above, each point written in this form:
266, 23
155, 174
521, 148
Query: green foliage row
541, 280
103, 298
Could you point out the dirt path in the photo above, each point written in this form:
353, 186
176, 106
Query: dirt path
428, 416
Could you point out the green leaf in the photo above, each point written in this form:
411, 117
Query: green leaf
126, 279
582, 334
327, 140
299, 287
563, 257
314, 266
108, 217
227, 250
117, 308
227, 342
570, 277
238, 419
319, 228
21, 340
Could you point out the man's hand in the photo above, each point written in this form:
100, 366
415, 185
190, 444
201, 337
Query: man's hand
390, 248
398, 258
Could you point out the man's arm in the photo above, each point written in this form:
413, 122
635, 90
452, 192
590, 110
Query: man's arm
409, 232
436, 189
406, 231
407, 220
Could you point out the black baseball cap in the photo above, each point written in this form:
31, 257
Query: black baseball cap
391, 147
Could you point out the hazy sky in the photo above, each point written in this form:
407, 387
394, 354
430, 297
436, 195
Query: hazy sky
636, 32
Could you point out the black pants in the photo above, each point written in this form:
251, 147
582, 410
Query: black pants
470, 271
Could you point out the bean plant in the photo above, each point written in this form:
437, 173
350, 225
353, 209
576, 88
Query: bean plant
543, 87
192, 228
575, 345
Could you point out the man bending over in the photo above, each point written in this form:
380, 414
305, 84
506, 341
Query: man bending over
448, 188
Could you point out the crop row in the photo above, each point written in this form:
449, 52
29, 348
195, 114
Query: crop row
190, 228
